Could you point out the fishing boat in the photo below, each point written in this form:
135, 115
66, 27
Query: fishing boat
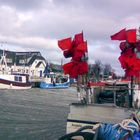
93, 116
53, 81
12, 80
15, 81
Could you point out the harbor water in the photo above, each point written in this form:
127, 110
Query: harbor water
34, 114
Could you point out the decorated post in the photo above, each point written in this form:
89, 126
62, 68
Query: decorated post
77, 68
130, 55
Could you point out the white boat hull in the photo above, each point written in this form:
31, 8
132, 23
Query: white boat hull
5, 86
14, 81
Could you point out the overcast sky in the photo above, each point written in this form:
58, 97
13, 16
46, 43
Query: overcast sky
37, 25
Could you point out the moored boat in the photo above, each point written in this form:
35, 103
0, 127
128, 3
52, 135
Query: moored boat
12, 80
15, 81
52, 81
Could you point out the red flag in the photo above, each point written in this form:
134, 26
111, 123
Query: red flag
65, 44
77, 55
75, 68
131, 35
137, 65
76, 49
82, 47
67, 67
68, 53
130, 63
121, 35
79, 51
123, 46
83, 67
129, 52
72, 69
131, 72
123, 61
78, 38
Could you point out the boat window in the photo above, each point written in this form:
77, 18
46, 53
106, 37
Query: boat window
18, 78
27, 78
27, 71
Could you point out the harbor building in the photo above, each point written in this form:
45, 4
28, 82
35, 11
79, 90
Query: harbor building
32, 63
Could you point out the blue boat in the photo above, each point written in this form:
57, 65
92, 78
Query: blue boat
52, 81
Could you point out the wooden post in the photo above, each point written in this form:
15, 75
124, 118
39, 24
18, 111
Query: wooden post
131, 93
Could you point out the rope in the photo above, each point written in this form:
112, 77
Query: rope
127, 126
130, 125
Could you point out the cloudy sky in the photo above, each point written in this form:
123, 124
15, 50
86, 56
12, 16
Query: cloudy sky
37, 25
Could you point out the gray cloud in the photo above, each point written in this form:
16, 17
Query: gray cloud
38, 24
22, 5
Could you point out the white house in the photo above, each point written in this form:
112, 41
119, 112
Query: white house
31, 63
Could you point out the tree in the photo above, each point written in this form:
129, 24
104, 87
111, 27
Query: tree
97, 69
107, 71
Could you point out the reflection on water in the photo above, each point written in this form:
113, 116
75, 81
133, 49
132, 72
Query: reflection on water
35, 114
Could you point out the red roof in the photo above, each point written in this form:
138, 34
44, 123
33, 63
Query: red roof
98, 84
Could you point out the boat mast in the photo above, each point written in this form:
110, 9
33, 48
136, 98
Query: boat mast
3, 61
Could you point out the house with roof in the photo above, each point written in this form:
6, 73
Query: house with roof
32, 63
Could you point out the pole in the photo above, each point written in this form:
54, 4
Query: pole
131, 93
61, 65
